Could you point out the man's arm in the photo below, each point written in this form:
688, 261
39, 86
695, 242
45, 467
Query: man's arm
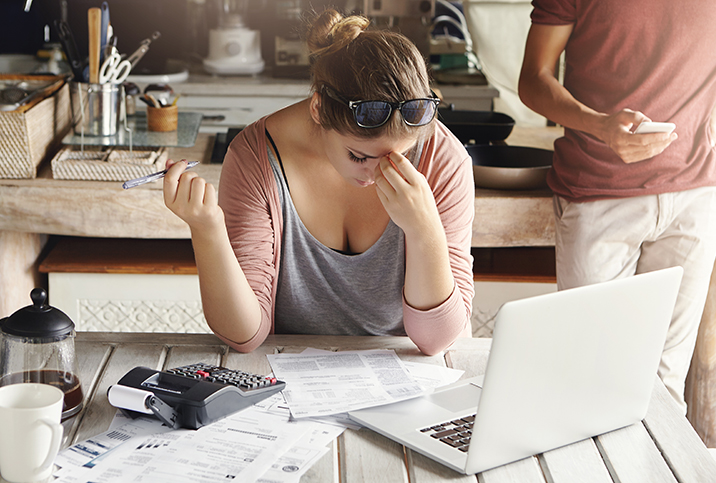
540, 90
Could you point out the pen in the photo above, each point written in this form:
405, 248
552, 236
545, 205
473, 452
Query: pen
152, 177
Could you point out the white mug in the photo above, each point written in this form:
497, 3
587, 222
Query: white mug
30, 431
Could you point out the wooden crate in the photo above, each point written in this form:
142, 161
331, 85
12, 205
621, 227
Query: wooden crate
32, 133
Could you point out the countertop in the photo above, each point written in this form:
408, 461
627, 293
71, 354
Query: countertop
104, 209
262, 85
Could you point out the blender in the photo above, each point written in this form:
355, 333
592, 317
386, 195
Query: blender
234, 49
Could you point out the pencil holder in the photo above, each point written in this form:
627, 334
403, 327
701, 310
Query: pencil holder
162, 118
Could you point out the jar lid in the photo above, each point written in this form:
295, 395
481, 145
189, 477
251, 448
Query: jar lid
38, 320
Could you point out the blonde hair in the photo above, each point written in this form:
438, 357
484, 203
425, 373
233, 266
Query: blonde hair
363, 64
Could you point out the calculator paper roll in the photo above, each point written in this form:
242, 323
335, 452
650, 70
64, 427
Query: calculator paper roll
126, 397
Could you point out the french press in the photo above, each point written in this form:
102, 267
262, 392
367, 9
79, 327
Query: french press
38, 345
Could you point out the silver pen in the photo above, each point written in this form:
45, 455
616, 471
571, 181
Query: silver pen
132, 183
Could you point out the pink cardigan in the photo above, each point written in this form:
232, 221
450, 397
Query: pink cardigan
248, 194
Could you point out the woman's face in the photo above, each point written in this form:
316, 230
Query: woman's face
357, 158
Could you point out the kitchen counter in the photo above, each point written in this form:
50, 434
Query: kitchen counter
261, 85
104, 209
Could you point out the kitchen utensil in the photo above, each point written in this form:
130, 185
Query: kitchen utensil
19, 91
67, 40
114, 70
161, 92
131, 91
137, 55
509, 167
94, 24
104, 29
38, 345
479, 127
153, 100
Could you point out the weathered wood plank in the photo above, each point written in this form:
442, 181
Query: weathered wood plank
156, 340
678, 441
474, 363
368, 456
632, 457
425, 470
91, 359
182, 355
19, 252
525, 471
700, 393
324, 470
577, 462
504, 219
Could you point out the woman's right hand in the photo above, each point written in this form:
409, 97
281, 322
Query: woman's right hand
191, 198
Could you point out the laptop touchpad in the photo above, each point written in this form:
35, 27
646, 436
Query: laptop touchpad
457, 399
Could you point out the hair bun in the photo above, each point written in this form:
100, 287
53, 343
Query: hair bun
330, 31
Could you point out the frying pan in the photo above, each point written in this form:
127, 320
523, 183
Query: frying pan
479, 127
509, 167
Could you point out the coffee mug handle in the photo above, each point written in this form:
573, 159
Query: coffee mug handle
54, 444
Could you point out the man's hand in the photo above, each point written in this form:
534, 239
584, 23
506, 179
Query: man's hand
616, 132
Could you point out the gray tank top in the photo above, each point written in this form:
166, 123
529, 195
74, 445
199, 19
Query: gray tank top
324, 291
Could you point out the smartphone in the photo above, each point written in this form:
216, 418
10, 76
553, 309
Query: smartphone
649, 127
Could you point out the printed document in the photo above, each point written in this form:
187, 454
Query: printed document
326, 383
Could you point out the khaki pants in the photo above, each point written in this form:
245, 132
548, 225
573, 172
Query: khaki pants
609, 239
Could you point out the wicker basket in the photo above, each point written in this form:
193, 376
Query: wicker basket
97, 164
27, 137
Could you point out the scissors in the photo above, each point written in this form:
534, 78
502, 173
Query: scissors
114, 70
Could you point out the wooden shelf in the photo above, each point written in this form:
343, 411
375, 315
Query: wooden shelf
514, 264
119, 255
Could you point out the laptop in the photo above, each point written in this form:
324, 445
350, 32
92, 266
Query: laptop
563, 367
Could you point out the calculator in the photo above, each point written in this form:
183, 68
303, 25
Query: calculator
200, 394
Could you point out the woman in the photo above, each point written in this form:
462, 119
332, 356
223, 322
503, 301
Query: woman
339, 217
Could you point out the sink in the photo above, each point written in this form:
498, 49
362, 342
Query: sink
18, 64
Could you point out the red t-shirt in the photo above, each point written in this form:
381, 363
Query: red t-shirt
653, 56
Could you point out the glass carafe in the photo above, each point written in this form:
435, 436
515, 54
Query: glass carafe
38, 345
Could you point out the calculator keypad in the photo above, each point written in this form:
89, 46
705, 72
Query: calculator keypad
243, 380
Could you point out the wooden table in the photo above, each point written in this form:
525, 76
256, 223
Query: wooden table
663, 448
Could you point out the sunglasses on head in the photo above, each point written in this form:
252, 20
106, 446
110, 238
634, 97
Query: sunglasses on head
370, 114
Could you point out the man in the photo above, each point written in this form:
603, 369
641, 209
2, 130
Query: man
627, 203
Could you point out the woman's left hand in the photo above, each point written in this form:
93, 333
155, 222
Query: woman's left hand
406, 195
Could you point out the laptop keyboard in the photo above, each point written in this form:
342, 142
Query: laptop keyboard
455, 433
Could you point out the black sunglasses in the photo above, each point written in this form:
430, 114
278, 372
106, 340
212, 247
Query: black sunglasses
371, 114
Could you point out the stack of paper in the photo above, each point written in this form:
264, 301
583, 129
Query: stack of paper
321, 387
